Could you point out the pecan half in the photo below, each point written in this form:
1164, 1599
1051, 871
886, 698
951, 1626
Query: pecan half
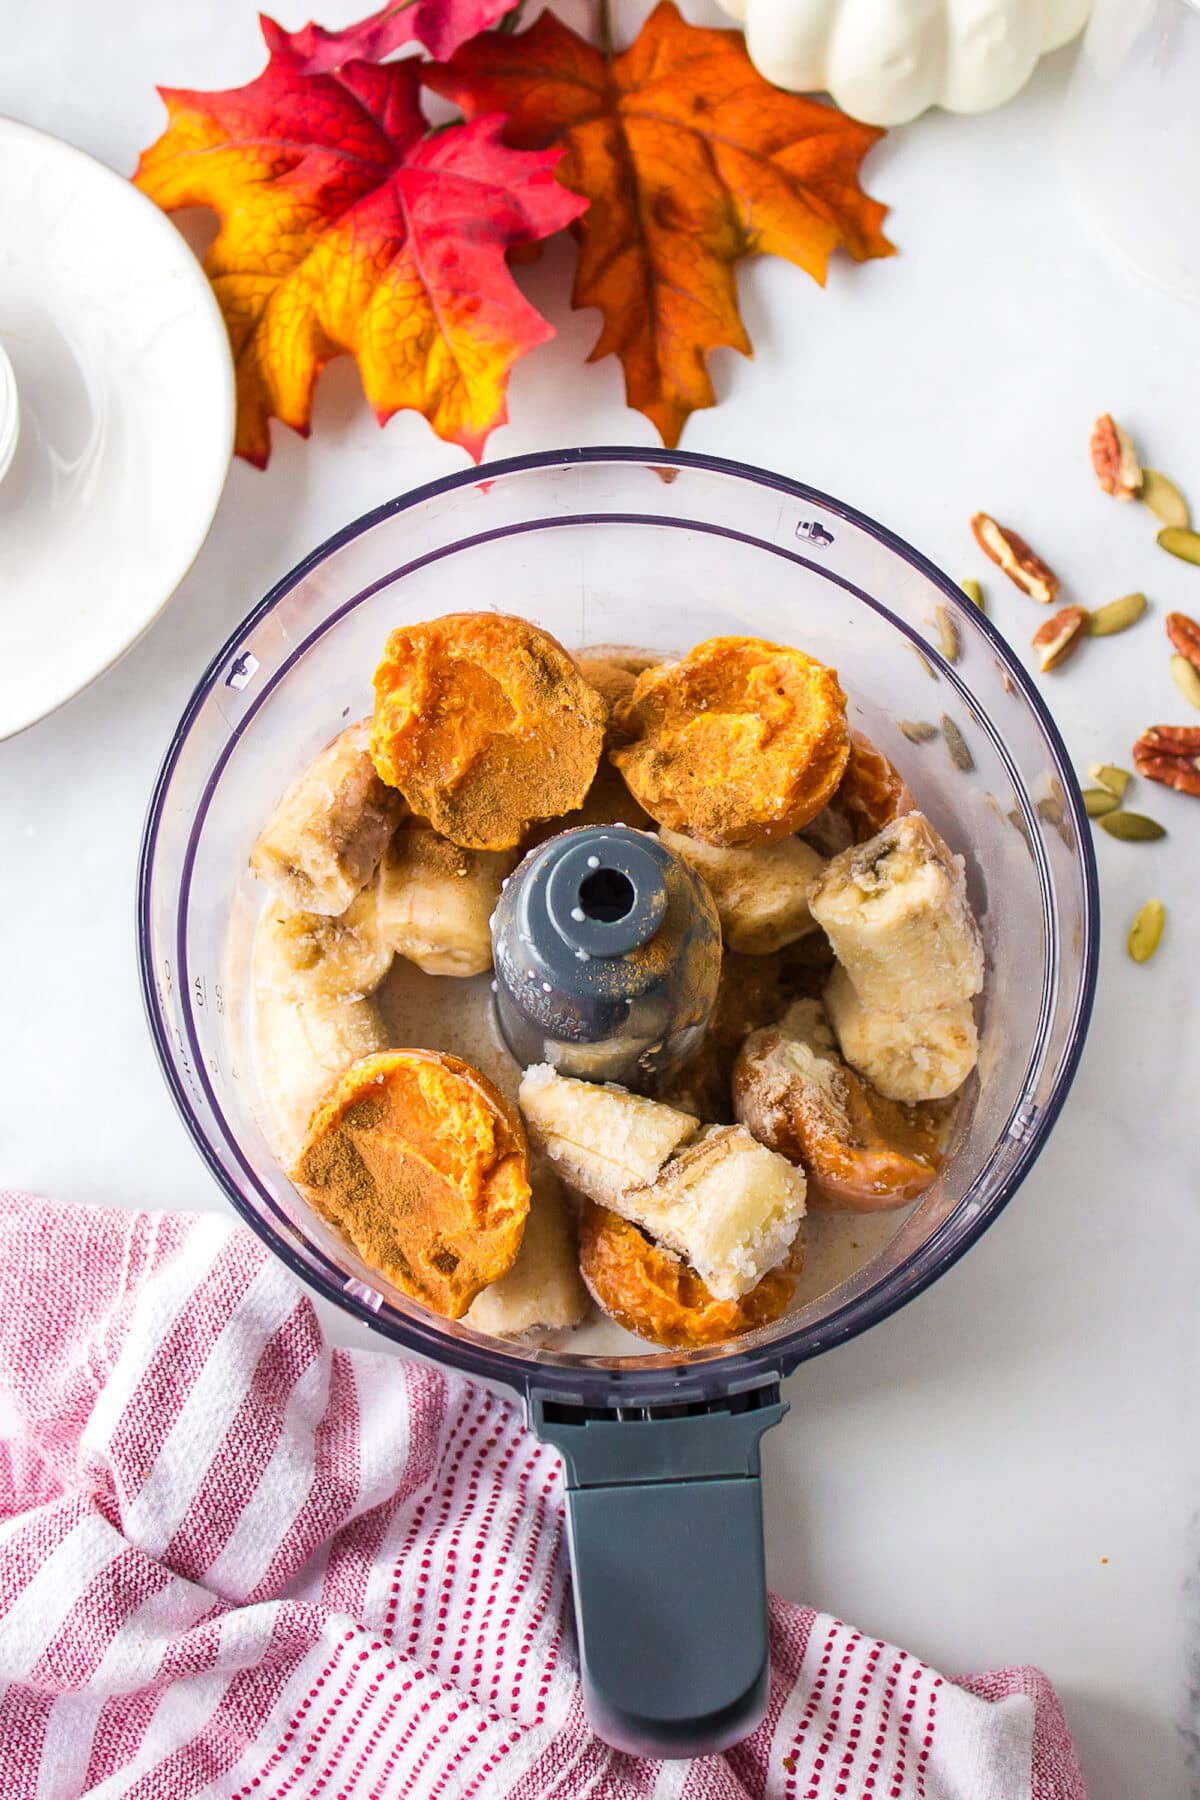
1170, 754
1015, 557
1115, 460
1058, 637
1184, 634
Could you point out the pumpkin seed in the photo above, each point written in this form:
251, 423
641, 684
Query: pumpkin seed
1164, 499
1186, 677
917, 731
1146, 930
1118, 615
925, 664
1017, 820
956, 744
1098, 801
948, 635
974, 592
1109, 776
1133, 828
1053, 811
1179, 541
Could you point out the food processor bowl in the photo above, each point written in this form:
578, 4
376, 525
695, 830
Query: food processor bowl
619, 546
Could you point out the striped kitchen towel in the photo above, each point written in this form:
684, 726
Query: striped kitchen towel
237, 1562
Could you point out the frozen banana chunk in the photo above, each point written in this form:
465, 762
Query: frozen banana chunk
905, 1056
434, 901
727, 1205
326, 836
303, 1047
309, 955
761, 893
895, 910
543, 1291
601, 1140
312, 1019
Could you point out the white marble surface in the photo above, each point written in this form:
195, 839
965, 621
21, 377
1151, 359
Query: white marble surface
1007, 1471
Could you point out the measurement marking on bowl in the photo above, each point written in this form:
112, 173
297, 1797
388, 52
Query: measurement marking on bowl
1023, 1121
358, 1290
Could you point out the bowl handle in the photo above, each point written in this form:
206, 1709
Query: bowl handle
664, 1524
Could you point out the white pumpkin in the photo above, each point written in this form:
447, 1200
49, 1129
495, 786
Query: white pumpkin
885, 61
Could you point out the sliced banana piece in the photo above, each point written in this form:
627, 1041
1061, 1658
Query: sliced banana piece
761, 893
543, 1291
895, 910
905, 1056
310, 978
727, 1205
601, 1139
305, 955
434, 900
325, 838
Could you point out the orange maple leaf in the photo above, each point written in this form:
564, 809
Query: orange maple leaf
346, 225
691, 160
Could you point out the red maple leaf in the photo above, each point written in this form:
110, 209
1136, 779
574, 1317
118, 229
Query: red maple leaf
346, 225
441, 25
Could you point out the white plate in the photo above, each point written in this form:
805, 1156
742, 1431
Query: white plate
125, 395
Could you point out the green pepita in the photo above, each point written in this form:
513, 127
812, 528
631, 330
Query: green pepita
948, 635
1118, 615
1133, 828
1164, 499
1186, 677
1097, 801
918, 731
956, 744
1053, 811
1181, 542
1017, 820
974, 592
1146, 930
1109, 776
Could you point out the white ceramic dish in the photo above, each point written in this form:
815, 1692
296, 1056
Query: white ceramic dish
125, 403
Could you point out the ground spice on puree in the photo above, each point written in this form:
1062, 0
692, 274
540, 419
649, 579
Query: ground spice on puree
485, 725
740, 742
422, 1164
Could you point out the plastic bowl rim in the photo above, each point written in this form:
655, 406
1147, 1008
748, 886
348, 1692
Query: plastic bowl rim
657, 1378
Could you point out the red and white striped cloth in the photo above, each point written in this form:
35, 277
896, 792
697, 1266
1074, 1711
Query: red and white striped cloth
237, 1562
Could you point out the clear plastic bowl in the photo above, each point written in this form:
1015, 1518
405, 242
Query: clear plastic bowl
614, 546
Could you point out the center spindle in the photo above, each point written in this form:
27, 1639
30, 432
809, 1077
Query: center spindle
607, 951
